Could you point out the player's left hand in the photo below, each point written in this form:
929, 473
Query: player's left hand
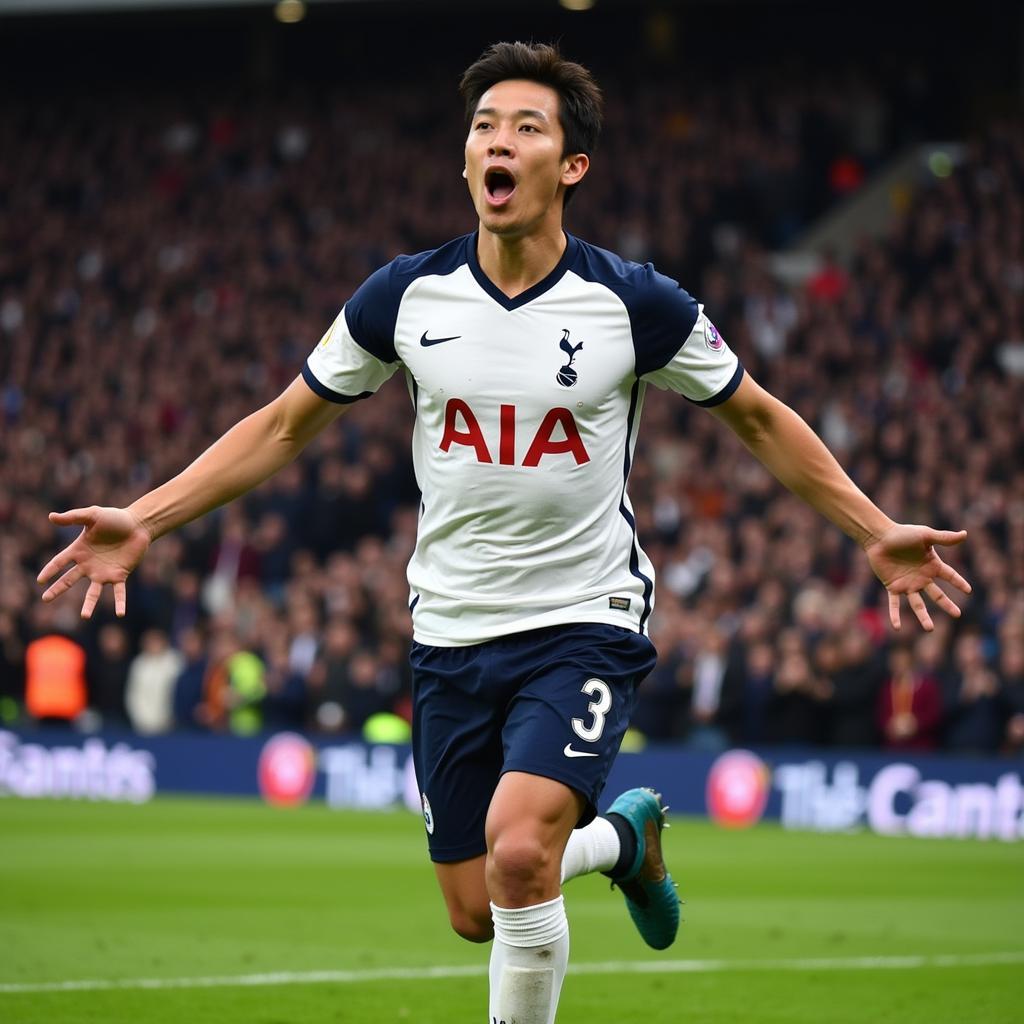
904, 559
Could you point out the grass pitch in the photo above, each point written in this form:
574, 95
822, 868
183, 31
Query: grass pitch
180, 909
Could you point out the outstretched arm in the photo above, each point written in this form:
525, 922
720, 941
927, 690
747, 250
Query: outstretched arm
113, 540
903, 557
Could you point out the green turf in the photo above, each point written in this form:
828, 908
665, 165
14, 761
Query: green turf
189, 888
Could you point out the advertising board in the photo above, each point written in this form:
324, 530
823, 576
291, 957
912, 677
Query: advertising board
923, 797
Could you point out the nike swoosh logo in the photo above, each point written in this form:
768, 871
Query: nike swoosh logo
427, 342
569, 752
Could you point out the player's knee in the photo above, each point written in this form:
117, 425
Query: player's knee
519, 859
472, 926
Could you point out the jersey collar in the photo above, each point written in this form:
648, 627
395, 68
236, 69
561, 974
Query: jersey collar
530, 294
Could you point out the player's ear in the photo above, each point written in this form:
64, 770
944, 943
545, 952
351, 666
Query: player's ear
574, 167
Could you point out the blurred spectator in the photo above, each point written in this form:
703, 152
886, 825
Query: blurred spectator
329, 683
212, 711
234, 559
855, 685
909, 705
284, 706
190, 684
304, 628
758, 670
108, 674
153, 599
709, 668
149, 694
274, 547
770, 314
187, 614
394, 676
363, 695
974, 708
795, 708
246, 690
55, 683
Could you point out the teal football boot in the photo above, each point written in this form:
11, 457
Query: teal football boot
648, 887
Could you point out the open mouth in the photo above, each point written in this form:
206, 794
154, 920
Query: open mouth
499, 185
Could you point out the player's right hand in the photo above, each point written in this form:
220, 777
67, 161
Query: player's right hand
111, 544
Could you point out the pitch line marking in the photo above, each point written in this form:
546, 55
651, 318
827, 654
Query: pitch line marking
851, 963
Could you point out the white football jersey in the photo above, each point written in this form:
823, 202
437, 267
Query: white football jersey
526, 417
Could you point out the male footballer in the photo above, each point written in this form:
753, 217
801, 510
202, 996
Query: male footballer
527, 353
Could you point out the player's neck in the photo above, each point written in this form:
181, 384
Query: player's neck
514, 265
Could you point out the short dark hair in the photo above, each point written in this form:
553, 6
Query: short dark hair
580, 105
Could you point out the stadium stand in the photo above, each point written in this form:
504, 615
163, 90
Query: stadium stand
166, 265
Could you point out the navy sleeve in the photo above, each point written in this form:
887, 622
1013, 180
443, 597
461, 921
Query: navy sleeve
662, 316
372, 312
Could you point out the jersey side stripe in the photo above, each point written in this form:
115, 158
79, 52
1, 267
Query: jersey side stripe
634, 554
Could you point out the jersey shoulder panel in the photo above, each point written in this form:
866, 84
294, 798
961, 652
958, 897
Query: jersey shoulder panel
661, 313
372, 312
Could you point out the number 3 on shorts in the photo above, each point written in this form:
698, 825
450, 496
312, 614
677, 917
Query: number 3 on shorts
598, 708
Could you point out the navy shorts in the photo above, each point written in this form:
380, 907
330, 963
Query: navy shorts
553, 702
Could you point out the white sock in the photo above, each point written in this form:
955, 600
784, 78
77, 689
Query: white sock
595, 847
528, 960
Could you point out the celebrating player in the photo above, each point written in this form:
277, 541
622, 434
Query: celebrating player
527, 354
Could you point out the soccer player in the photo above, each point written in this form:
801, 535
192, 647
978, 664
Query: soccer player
527, 353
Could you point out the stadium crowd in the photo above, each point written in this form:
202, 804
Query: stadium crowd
165, 266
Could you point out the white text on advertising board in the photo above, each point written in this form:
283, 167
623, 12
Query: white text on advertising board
897, 801
368, 777
90, 771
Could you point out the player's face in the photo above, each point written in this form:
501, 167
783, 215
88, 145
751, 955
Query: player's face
514, 165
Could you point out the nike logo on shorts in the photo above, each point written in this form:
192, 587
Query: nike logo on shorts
569, 752
427, 342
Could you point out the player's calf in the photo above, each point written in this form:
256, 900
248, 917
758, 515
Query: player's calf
465, 896
472, 925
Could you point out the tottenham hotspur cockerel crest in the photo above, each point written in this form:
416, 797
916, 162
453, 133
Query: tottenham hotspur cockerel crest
567, 375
